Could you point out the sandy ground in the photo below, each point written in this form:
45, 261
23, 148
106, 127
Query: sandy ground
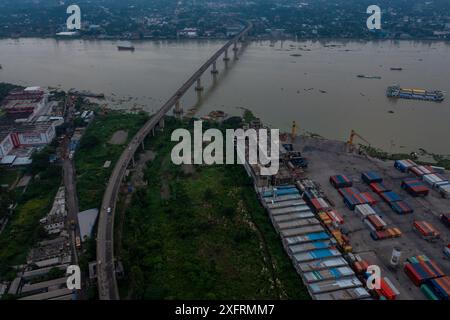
119, 137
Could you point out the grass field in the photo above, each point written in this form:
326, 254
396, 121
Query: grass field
200, 233
95, 149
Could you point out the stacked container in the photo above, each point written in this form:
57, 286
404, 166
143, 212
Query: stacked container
376, 221
401, 207
370, 177
441, 287
415, 187
420, 171
421, 269
426, 230
320, 204
379, 187
404, 165
435, 180
352, 197
340, 181
390, 197
364, 210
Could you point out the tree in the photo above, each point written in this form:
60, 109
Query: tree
89, 142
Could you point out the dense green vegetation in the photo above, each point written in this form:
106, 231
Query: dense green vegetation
24, 230
200, 233
95, 149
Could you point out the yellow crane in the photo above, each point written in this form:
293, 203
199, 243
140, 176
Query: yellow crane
353, 135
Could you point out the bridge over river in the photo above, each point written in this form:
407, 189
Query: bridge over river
106, 275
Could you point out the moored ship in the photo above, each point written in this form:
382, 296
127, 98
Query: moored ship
125, 46
415, 94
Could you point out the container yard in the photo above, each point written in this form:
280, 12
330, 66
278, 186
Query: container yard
388, 213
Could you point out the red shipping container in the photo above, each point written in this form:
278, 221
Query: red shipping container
412, 274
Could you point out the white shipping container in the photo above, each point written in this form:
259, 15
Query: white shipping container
364, 210
432, 179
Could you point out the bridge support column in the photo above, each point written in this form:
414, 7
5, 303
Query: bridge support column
199, 87
225, 58
178, 109
214, 68
143, 145
235, 47
133, 163
161, 124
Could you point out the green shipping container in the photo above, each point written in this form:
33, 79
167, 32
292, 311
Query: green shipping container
428, 292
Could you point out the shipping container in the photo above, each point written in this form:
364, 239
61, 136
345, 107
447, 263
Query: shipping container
428, 292
379, 187
433, 179
307, 238
284, 204
321, 264
297, 223
415, 187
404, 165
320, 204
316, 255
441, 287
371, 176
390, 197
376, 222
426, 230
421, 170
272, 200
335, 216
301, 231
333, 285
340, 181
328, 274
401, 207
297, 248
293, 216
344, 294
364, 210
300, 208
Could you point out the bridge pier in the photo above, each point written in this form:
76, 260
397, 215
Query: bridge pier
214, 68
133, 163
143, 145
199, 87
178, 109
161, 124
225, 58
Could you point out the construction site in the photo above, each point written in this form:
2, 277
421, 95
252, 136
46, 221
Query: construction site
339, 211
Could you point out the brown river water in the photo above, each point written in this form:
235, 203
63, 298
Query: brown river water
314, 83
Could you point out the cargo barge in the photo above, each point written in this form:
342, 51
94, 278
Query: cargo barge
125, 46
415, 94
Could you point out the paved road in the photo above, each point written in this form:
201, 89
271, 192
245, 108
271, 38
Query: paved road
107, 284
69, 177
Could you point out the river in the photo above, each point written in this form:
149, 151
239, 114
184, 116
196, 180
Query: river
312, 82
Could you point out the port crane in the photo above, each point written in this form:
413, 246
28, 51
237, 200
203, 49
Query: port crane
350, 142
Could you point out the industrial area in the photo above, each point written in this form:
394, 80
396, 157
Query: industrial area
339, 211
33, 118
